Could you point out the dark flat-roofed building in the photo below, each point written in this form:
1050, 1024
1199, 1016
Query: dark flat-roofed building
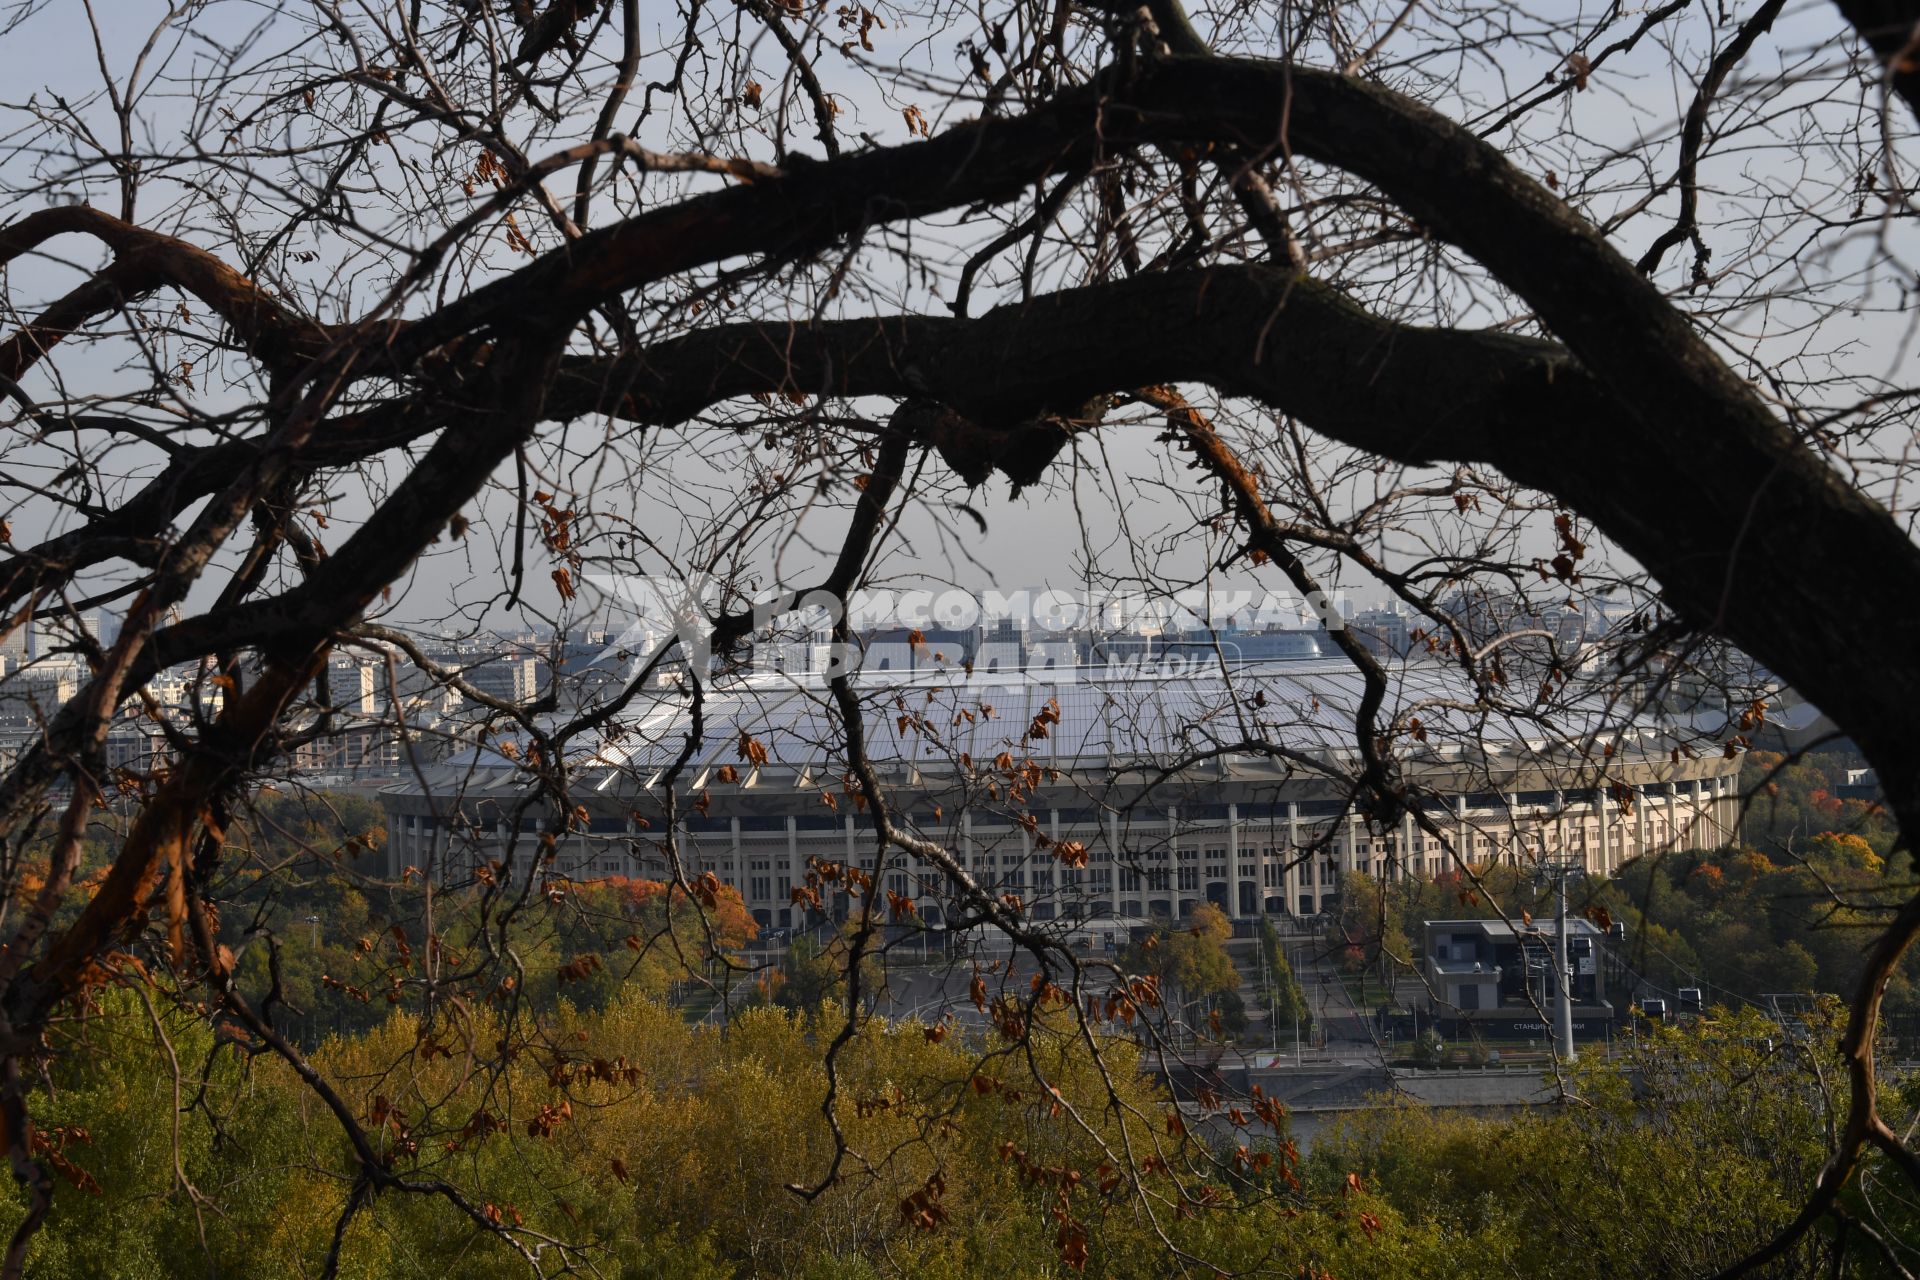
1495, 977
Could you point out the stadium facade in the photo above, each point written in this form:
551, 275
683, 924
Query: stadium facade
1155, 773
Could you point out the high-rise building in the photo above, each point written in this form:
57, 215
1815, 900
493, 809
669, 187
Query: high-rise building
1383, 631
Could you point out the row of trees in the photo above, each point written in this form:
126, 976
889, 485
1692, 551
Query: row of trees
651, 1148
1744, 925
340, 949
1279, 986
1205, 987
1673, 1166
1793, 798
1198, 978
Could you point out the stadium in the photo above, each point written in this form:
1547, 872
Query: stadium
1179, 786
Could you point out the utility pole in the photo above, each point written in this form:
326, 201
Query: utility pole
1560, 868
1266, 986
1273, 995
1565, 1011
1299, 1005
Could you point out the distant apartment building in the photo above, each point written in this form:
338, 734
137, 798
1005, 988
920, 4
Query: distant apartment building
1385, 632
513, 676
918, 648
1228, 645
14, 648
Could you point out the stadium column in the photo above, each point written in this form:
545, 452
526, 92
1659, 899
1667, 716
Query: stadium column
1262, 856
785, 892
1599, 802
1462, 837
1517, 842
1057, 873
965, 852
1112, 820
1233, 864
1023, 874
401, 844
1291, 879
1172, 889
